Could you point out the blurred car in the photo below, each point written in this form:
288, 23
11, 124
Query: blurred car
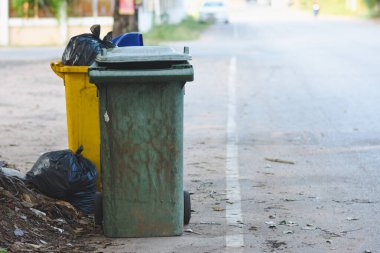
213, 11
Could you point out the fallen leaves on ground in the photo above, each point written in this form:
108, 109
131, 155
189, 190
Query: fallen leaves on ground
33, 222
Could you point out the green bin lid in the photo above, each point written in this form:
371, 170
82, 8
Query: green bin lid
141, 54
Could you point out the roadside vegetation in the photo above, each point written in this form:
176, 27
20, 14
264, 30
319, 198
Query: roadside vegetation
361, 8
374, 7
188, 29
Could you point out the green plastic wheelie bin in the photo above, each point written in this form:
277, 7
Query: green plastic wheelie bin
141, 91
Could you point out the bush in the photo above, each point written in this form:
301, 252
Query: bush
188, 29
374, 7
340, 7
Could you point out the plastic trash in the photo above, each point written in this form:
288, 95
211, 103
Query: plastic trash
129, 39
12, 172
67, 176
82, 49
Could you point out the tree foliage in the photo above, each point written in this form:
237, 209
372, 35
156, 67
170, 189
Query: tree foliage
374, 7
372, 3
30, 8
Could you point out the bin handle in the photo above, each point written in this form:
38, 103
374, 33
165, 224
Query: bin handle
55, 66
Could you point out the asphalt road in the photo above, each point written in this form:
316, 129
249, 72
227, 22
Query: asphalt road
281, 134
282, 85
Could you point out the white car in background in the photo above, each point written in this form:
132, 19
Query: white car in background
213, 11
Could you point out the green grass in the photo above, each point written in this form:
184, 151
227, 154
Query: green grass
335, 8
188, 29
3, 250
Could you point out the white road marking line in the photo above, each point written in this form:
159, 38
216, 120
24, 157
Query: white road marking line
235, 238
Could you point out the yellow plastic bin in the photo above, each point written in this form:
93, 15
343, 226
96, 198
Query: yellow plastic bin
82, 111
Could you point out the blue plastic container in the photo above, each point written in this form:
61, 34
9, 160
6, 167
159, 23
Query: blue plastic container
128, 40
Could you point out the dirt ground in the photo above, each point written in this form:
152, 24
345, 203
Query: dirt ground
32, 107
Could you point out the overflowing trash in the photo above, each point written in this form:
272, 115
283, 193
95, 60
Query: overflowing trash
67, 176
82, 49
33, 222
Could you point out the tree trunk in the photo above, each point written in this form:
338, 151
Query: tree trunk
123, 23
35, 8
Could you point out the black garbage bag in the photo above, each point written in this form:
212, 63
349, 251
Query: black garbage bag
67, 176
82, 49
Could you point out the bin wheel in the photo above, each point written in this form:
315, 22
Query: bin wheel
99, 208
187, 207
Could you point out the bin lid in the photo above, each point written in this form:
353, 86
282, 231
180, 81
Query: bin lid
141, 54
